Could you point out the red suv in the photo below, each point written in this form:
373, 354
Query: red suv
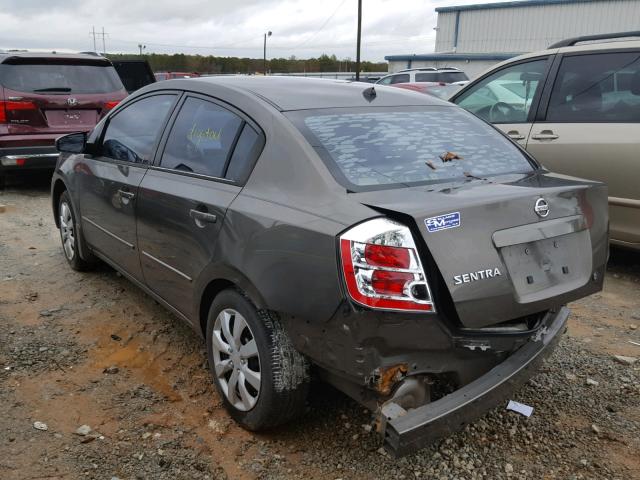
43, 96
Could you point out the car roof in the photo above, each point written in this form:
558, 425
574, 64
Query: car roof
586, 47
7, 56
300, 93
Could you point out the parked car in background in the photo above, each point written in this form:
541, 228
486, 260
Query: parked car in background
134, 74
434, 75
43, 96
171, 75
440, 90
395, 241
576, 108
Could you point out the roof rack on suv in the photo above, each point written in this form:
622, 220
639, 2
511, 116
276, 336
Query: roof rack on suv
569, 42
421, 69
448, 68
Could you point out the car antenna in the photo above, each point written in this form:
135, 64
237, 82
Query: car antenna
369, 94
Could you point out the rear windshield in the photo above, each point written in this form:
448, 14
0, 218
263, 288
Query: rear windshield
371, 148
446, 77
53, 78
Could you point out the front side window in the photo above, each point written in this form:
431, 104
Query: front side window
404, 146
201, 138
505, 96
602, 87
403, 78
385, 80
132, 132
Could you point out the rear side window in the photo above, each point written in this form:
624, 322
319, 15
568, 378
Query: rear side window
60, 77
450, 77
426, 77
201, 138
132, 133
596, 88
412, 145
246, 153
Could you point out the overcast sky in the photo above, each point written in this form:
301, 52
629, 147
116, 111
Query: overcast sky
304, 28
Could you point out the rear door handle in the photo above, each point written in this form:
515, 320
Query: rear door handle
515, 135
202, 218
545, 135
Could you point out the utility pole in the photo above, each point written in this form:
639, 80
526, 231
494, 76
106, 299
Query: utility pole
359, 35
104, 48
93, 32
268, 34
141, 47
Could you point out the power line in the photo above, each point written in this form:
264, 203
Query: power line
322, 27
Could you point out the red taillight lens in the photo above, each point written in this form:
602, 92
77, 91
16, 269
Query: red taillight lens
390, 283
382, 268
13, 106
110, 105
386, 256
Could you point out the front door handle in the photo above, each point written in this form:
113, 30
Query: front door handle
544, 135
515, 135
202, 218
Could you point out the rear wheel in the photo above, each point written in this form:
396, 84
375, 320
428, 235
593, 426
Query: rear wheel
262, 379
71, 236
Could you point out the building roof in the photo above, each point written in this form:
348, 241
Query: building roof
436, 57
511, 4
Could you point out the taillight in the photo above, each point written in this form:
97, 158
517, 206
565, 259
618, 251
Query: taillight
110, 105
14, 106
382, 268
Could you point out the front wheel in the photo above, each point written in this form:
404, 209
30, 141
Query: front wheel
262, 379
70, 235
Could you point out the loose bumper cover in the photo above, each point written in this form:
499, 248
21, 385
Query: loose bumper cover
423, 425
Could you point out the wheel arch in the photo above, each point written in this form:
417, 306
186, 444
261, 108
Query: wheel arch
225, 278
56, 192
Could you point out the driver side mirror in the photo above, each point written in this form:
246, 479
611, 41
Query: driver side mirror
72, 143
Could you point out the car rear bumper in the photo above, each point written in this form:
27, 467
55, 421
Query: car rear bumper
423, 425
28, 158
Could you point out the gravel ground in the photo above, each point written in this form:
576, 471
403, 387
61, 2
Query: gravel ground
92, 351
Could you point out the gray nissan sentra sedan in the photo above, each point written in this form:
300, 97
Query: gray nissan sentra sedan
388, 242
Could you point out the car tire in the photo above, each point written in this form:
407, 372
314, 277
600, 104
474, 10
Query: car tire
71, 236
278, 393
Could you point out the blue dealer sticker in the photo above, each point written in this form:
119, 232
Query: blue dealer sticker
442, 222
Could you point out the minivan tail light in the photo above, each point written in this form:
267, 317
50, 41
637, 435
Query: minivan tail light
110, 105
13, 106
382, 268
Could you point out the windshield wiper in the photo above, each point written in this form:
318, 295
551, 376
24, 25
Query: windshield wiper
53, 89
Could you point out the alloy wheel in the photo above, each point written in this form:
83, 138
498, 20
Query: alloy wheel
236, 360
67, 230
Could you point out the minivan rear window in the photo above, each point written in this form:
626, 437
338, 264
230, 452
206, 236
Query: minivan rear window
370, 148
60, 78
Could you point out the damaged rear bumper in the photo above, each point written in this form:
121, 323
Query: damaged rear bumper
408, 431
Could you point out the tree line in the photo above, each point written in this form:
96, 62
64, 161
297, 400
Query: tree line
180, 62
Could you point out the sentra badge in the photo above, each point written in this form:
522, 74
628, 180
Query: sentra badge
442, 222
475, 276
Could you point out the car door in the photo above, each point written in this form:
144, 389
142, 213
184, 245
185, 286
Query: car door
108, 182
505, 97
184, 196
590, 128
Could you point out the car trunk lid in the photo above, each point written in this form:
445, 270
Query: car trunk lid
499, 259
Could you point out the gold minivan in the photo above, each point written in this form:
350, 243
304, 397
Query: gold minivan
576, 108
